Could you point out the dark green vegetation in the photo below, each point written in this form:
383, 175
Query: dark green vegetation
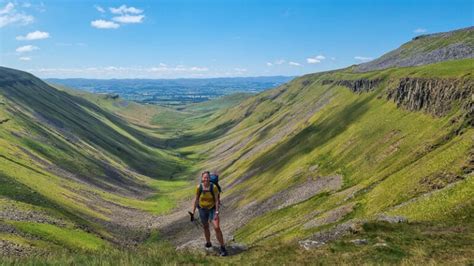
304, 161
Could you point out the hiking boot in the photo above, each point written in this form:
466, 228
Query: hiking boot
208, 245
223, 252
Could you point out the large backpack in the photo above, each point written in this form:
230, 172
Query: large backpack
215, 180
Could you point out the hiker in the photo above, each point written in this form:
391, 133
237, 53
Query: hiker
207, 202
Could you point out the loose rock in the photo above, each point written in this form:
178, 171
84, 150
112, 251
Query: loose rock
359, 241
310, 244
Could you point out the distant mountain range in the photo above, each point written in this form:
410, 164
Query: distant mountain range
174, 91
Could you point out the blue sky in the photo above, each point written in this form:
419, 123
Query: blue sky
171, 39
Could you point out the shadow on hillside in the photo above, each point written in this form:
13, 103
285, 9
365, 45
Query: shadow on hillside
312, 136
202, 137
143, 137
71, 116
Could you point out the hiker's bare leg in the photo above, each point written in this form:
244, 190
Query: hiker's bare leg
217, 228
207, 233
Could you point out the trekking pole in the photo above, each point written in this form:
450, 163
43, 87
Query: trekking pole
194, 220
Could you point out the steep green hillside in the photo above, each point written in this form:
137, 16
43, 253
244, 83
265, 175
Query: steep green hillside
330, 151
337, 167
326, 158
72, 173
390, 154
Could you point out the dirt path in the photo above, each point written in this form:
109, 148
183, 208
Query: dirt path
177, 228
129, 227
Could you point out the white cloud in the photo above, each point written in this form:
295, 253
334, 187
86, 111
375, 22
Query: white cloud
420, 30
25, 58
240, 69
363, 58
35, 35
311, 60
9, 15
315, 60
269, 64
104, 24
100, 9
26, 49
129, 19
163, 65
294, 64
7, 9
123, 9
126, 15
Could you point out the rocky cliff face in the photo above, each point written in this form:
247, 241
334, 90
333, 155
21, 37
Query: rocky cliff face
357, 86
432, 95
435, 96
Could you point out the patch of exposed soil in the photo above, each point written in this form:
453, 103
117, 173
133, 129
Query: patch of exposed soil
11, 249
12, 213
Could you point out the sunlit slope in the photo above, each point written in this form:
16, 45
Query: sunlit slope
71, 171
426, 49
400, 141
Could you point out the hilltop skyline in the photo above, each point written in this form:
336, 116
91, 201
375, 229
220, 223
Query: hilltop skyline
169, 39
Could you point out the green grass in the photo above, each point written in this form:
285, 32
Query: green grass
379, 149
166, 197
147, 158
70, 238
407, 244
450, 202
430, 44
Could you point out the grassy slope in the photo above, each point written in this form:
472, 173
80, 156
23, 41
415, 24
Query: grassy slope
428, 43
385, 155
65, 155
61, 146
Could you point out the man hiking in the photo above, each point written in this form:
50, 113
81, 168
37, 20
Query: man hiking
207, 202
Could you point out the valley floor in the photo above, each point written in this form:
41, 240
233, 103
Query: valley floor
331, 168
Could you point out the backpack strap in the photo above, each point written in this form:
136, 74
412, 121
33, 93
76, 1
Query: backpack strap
219, 188
201, 189
199, 195
211, 187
